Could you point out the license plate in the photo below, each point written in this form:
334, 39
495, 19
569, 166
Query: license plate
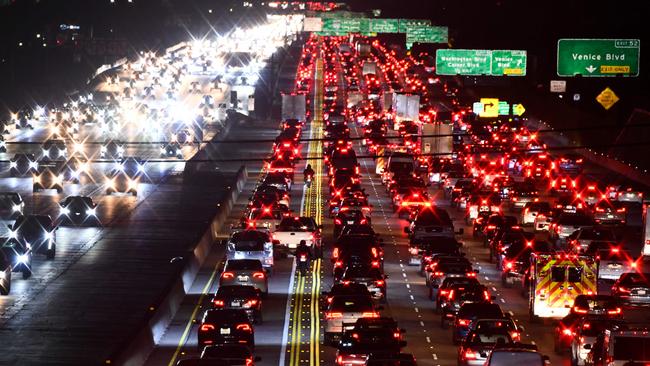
640, 292
243, 278
235, 304
484, 208
610, 216
224, 331
350, 222
614, 265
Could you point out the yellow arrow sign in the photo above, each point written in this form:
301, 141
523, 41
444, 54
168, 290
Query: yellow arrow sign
490, 107
607, 98
518, 109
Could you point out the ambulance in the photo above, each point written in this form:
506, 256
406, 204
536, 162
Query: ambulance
555, 280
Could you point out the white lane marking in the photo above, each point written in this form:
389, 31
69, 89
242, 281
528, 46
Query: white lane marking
486, 278
411, 296
502, 300
428, 340
287, 315
408, 286
416, 310
401, 265
421, 323
404, 274
494, 288
435, 357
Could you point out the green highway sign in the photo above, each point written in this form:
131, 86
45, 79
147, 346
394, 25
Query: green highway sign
463, 62
425, 34
508, 62
341, 25
481, 62
504, 108
405, 23
598, 57
384, 25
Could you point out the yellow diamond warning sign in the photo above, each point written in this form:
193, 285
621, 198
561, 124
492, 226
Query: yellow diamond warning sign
607, 98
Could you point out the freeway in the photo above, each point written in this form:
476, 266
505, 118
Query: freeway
294, 309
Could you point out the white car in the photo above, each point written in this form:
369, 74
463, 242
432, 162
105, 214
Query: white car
292, 230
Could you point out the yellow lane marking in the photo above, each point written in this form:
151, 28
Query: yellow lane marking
190, 321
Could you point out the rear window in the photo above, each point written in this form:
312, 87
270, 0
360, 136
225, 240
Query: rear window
515, 358
296, 224
636, 279
576, 220
350, 304
490, 337
400, 166
433, 217
243, 264
480, 311
632, 348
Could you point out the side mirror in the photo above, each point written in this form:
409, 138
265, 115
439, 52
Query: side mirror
476, 271
546, 359
386, 277
510, 314
460, 231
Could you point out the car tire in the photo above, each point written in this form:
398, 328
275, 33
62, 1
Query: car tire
27, 273
51, 253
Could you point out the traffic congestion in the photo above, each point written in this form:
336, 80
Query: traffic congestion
378, 217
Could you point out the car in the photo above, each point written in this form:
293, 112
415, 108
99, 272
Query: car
532, 209
495, 223
629, 195
516, 260
626, 346
225, 326
480, 341
251, 244
503, 239
22, 164
49, 175
563, 185
522, 194
345, 288
36, 232
586, 331
430, 222
227, 354
610, 212
245, 297
349, 217
346, 309
369, 276
613, 260
450, 282
603, 305
516, 355
78, 210
571, 163
6, 267
442, 267
470, 312
170, 149
291, 230
567, 224
11, 205
455, 296
121, 182
112, 149
421, 251
133, 166
54, 149
580, 240
369, 336
266, 217
633, 288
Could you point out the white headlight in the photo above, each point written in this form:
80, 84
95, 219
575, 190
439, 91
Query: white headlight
162, 150
23, 258
13, 164
141, 168
91, 212
13, 234
64, 211
178, 151
46, 152
103, 148
33, 165
49, 235
58, 179
3, 275
16, 208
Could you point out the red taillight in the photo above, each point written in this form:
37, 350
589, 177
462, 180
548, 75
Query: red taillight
244, 327
249, 362
207, 327
491, 227
486, 295
338, 264
577, 309
338, 222
380, 283
259, 275
509, 265
469, 355
451, 295
614, 312
370, 314
227, 275
567, 332
463, 322
218, 303
333, 315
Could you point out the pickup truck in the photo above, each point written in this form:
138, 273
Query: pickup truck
291, 230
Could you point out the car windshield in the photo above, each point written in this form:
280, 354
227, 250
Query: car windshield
351, 304
515, 358
636, 279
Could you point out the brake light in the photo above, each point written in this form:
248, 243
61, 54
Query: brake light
380, 283
621, 289
579, 310
509, 265
486, 295
374, 252
470, 274
614, 312
469, 355
244, 327
567, 332
463, 322
338, 264
451, 295
516, 336
207, 327
375, 264
491, 227
258, 275
370, 314
218, 303
337, 221
227, 275
438, 274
